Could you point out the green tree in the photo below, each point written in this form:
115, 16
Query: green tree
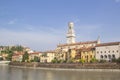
36, 59
1, 58
93, 60
25, 57
10, 54
9, 57
102, 61
82, 61
17, 48
118, 60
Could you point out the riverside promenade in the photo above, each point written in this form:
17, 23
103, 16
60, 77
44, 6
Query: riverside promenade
70, 66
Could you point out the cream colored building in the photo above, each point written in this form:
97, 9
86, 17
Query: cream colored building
47, 56
108, 51
34, 54
17, 56
86, 54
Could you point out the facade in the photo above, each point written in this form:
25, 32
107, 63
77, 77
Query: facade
17, 56
47, 56
107, 51
85, 54
33, 55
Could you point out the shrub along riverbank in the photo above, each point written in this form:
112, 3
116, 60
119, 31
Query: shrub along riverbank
68, 65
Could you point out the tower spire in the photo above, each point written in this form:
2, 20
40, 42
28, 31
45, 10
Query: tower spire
70, 34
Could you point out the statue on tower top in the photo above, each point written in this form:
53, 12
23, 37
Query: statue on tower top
71, 24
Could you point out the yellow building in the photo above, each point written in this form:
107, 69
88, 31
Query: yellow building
47, 56
85, 50
17, 56
33, 55
86, 54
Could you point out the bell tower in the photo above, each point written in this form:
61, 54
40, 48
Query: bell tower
70, 34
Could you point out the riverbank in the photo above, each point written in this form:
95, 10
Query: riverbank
75, 67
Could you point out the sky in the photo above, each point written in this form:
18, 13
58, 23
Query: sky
43, 24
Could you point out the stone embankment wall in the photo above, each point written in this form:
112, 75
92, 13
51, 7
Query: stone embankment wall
69, 66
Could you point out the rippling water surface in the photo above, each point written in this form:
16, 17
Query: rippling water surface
11, 73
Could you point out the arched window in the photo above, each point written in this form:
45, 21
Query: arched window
113, 56
113, 51
101, 56
90, 56
109, 56
105, 56
117, 51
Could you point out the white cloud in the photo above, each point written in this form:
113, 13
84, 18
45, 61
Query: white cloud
35, 40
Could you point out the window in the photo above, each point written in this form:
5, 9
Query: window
108, 51
101, 56
98, 52
101, 51
113, 56
105, 56
90, 56
105, 52
117, 51
109, 56
113, 51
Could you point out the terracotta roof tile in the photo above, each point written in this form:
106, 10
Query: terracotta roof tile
86, 48
108, 44
51, 51
34, 53
78, 43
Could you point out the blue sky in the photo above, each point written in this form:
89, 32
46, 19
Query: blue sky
42, 24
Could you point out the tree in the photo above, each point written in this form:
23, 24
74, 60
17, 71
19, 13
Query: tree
17, 48
118, 60
82, 61
93, 60
10, 54
36, 59
1, 58
25, 57
9, 57
55, 60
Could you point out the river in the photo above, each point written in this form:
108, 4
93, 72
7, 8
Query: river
12, 73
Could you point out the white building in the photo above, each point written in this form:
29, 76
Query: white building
108, 51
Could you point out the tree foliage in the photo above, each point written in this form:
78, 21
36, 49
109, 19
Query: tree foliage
25, 57
36, 59
93, 60
82, 61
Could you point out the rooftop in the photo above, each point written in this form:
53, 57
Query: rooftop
108, 44
78, 43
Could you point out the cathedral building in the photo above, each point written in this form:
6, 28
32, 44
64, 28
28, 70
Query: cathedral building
76, 50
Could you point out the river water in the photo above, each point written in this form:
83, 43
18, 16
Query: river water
12, 73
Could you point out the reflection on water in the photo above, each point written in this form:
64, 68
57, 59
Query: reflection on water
10, 73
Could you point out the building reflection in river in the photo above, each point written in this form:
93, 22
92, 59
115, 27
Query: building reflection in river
11, 73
